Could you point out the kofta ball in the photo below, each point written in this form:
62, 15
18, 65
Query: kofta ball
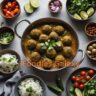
67, 52
54, 36
59, 58
59, 29
31, 44
51, 53
47, 63
90, 48
59, 46
67, 40
46, 29
35, 56
40, 49
43, 38
35, 33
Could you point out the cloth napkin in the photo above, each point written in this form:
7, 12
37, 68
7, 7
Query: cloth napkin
8, 86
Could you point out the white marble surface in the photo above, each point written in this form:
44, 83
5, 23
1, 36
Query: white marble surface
43, 12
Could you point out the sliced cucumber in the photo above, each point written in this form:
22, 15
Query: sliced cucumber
84, 15
35, 3
78, 92
28, 8
90, 11
76, 16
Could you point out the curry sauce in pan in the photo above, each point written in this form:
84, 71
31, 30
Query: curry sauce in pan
50, 46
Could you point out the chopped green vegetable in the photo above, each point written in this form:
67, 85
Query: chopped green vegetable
77, 6
6, 37
28, 8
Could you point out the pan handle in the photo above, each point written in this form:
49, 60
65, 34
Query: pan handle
17, 26
76, 64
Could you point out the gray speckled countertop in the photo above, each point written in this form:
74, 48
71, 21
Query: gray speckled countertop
43, 12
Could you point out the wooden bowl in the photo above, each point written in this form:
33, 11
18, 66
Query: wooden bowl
3, 3
5, 51
33, 77
7, 29
91, 23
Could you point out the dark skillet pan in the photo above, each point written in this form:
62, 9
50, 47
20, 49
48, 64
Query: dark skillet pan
76, 72
47, 21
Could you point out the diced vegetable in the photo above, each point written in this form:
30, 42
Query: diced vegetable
28, 8
84, 15
6, 37
35, 3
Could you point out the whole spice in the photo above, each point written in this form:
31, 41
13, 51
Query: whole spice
91, 29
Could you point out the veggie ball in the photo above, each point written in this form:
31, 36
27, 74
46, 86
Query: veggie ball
35, 56
46, 29
59, 29
43, 38
53, 35
35, 33
40, 49
31, 44
51, 53
48, 63
67, 52
59, 46
67, 40
59, 58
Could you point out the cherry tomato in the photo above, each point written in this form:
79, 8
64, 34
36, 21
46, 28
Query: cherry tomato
88, 77
83, 73
81, 77
81, 86
91, 72
76, 85
73, 78
77, 79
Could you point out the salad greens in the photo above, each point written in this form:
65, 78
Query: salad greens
90, 88
77, 6
6, 37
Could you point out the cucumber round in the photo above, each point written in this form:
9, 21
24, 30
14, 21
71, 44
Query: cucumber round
28, 8
35, 3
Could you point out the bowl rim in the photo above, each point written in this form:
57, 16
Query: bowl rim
87, 47
59, 7
85, 29
34, 77
2, 14
11, 52
74, 71
70, 15
11, 31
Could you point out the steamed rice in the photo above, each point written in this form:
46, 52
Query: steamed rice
30, 87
